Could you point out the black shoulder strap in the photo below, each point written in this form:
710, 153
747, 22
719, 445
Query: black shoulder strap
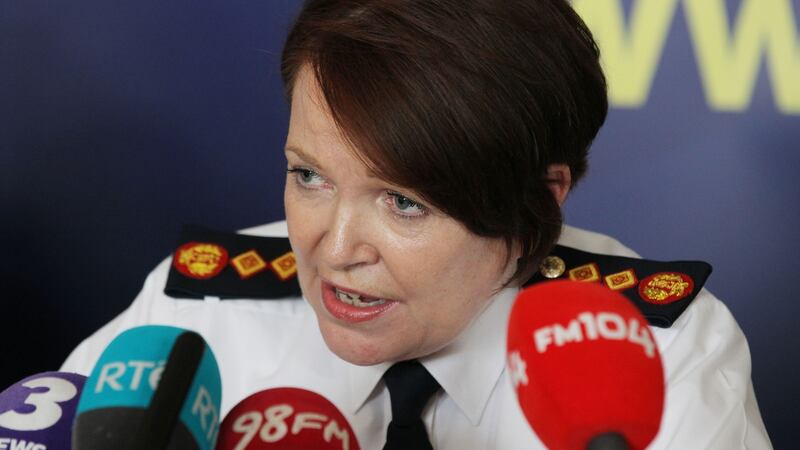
230, 266
661, 290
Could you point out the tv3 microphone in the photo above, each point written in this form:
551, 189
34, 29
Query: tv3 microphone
154, 387
286, 418
37, 412
585, 366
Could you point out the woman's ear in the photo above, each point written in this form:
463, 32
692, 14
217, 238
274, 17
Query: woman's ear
559, 180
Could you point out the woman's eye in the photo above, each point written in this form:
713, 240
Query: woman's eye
307, 177
404, 206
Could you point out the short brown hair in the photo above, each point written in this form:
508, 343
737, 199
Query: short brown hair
467, 102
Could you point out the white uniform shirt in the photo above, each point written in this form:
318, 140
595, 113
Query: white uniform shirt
261, 344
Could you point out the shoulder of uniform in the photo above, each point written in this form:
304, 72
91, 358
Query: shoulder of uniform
272, 229
661, 290
592, 241
210, 263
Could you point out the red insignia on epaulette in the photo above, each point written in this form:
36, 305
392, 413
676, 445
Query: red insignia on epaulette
587, 272
200, 260
248, 264
284, 266
665, 287
621, 280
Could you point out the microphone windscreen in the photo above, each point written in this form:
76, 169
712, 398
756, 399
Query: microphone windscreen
36, 413
584, 363
122, 384
286, 418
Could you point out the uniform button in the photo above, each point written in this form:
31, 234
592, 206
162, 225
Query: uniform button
552, 267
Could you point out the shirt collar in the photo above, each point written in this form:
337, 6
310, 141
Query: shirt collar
468, 369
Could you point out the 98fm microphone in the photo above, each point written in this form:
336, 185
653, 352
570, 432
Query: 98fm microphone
36, 413
585, 366
286, 418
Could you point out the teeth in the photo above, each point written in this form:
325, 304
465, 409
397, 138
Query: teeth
355, 299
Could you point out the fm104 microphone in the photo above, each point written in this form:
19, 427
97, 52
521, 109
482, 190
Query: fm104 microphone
286, 418
585, 366
154, 387
37, 412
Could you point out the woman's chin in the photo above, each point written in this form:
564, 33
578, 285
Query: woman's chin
358, 349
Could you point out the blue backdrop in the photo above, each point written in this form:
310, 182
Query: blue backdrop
120, 121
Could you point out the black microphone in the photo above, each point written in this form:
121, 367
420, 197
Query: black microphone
154, 387
161, 415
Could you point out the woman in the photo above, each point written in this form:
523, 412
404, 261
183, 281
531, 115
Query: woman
431, 145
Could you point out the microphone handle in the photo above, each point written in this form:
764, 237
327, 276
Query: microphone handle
608, 441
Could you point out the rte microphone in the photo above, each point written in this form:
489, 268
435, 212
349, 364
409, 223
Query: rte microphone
286, 418
37, 412
154, 387
585, 366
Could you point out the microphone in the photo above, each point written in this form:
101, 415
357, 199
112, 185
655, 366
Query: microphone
286, 418
154, 387
585, 366
36, 413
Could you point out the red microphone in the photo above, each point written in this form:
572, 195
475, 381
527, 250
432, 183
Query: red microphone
585, 367
286, 418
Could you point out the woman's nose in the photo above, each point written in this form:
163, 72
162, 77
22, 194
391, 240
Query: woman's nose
348, 242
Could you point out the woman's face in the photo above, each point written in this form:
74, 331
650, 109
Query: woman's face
388, 278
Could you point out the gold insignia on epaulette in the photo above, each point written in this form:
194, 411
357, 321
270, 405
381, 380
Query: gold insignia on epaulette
587, 272
665, 287
200, 260
552, 267
621, 280
284, 266
248, 264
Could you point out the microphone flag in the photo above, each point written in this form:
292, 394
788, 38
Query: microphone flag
584, 364
36, 413
124, 380
286, 418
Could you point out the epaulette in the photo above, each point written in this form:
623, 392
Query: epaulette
661, 290
210, 263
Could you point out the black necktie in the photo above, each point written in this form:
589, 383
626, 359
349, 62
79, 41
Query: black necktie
410, 387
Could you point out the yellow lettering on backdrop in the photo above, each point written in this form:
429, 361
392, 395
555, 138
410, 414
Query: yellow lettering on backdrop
630, 55
729, 63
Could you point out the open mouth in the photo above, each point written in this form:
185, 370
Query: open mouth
352, 306
357, 300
